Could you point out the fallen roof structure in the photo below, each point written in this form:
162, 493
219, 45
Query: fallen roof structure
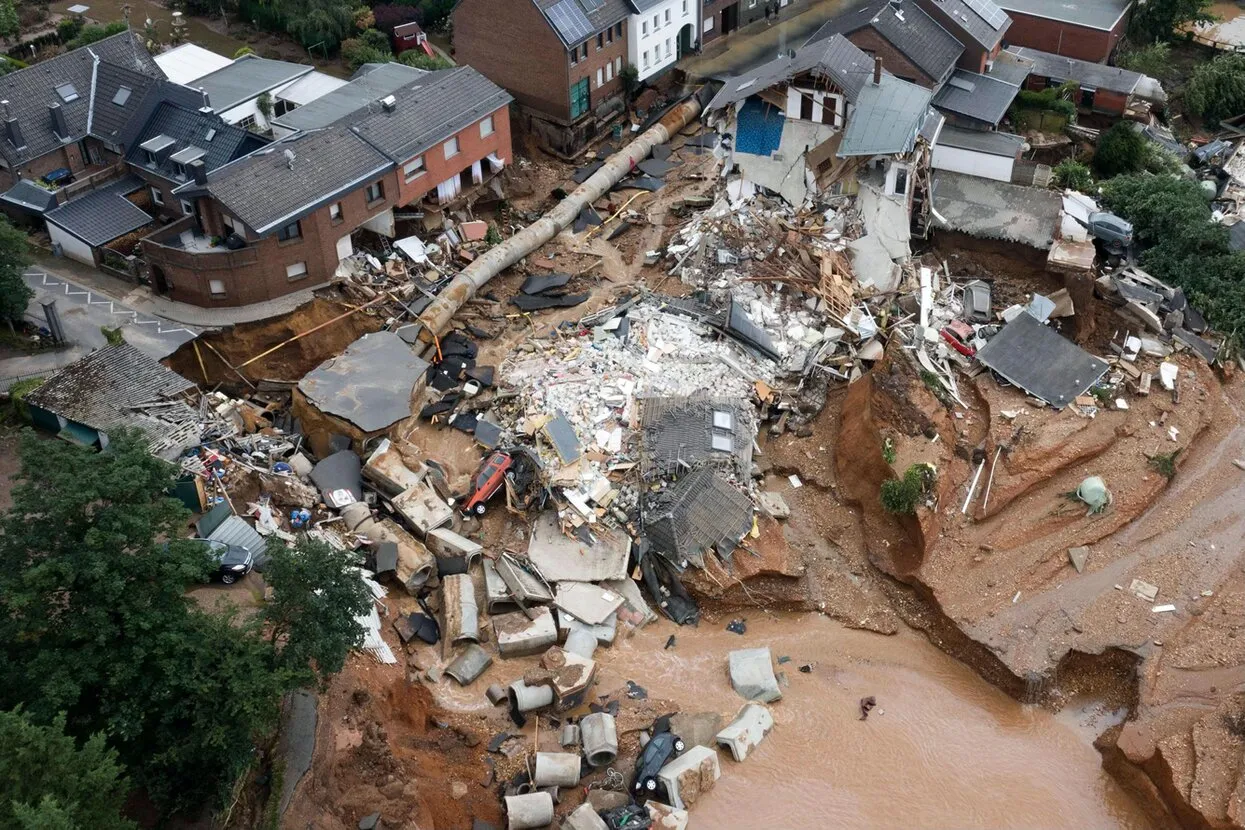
682, 433
888, 117
702, 511
368, 385
561, 557
1040, 361
996, 210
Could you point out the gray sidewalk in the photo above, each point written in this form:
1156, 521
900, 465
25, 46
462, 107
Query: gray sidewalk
142, 299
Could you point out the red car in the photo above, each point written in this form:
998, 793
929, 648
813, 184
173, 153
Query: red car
959, 334
488, 481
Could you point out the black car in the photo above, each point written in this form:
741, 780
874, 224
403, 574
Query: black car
655, 755
234, 561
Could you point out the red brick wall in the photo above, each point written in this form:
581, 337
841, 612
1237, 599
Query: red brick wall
257, 272
893, 61
597, 59
1062, 38
1105, 101
471, 148
511, 44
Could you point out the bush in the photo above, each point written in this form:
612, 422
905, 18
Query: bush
1165, 463
902, 495
1073, 175
68, 29
1052, 99
1120, 150
388, 17
1217, 88
92, 33
419, 60
1153, 60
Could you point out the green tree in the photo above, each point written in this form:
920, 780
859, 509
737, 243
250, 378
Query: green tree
48, 782
420, 60
1121, 149
1159, 19
93, 32
1153, 59
902, 495
9, 24
629, 76
1070, 173
1217, 89
15, 295
316, 597
242, 52
323, 23
68, 28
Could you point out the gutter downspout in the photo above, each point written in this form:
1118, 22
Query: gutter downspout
436, 318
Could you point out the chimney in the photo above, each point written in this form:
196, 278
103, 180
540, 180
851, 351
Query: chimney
207, 102
389, 103
12, 130
877, 70
59, 125
198, 172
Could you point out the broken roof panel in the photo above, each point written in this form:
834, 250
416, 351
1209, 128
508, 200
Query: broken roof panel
678, 434
887, 118
835, 57
1041, 362
996, 210
700, 512
369, 384
560, 557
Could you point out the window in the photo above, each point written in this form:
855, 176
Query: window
179, 170
335, 212
67, 92
600, 40
151, 159
600, 77
123, 95
618, 30
617, 65
667, 47
644, 58
292, 231
667, 18
901, 181
609, 35
210, 134
644, 27
451, 147
249, 122
217, 287
609, 72
157, 196
575, 56
486, 127
579, 98
188, 208
655, 23
296, 271
685, 8
376, 191
414, 168
708, 27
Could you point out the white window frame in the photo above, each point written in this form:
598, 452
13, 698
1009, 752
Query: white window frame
487, 121
609, 72
217, 288
296, 271
187, 208
708, 26
646, 59
617, 66
600, 77
451, 142
250, 120
414, 168
656, 25
666, 17
668, 49
335, 211
644, 27
157, 197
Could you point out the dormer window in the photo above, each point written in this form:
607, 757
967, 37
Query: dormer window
151, 159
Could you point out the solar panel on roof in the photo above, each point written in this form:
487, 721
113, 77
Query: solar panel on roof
570, 21
988, 12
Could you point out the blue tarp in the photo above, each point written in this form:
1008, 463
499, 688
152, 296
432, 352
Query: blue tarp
759, 131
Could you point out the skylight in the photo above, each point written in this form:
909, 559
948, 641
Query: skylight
67, 92
123, 95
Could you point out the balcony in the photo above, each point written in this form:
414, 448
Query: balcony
184, 244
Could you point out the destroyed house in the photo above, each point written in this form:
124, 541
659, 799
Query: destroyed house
681, 434
700, 513
117, 387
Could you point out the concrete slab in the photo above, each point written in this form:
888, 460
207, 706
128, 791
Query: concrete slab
996, 210
445, 542
752, 675
1068, 256
584, 818
586, 602
560, 557
369, 384
605, 632
690, 776
517, 636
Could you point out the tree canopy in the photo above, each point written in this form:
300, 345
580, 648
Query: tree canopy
1120, 149
1217, 89
1159, 19
48, 782
15, 295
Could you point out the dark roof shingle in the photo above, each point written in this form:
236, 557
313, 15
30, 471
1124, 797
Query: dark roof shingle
190, 128
834, 57
119, 102
574, 21
103, 214
267, 188
908, 28
976, 96
431, 110
981, 20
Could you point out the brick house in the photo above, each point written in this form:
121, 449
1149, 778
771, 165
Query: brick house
1107, 90
560, 59
979, 25
1088, 30
73, 115
912, 45
281, 218
718, 18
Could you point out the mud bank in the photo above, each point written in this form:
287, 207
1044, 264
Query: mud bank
995, 587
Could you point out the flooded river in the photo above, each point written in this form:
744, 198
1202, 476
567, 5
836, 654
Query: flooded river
943, 749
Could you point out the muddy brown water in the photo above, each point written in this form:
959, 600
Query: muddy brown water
942, 749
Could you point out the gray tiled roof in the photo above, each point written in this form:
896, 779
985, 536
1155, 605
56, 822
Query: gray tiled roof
103, 214
245, 79
886, 119
913, 32
993, 143
190, 129
976, 96
835, 57
973, 22
30, 197
1009, 67
1096, 75
30, 91
429, 111
101, 389
364, 90
266, 190
575, 21
1093, 14
113, 122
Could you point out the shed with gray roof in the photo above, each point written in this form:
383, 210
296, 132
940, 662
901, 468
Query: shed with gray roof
975, 100
101, 215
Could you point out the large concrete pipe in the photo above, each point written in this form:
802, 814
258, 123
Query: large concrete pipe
581, 642
416, 564
529, 811
436, 317
556, 769
598, 738
458, 601
469, 664
525, 698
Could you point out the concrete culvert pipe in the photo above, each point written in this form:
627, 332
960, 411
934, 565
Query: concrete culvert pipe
526, 698
598, 738
469, 664
527, 812
556, 769
581, 643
